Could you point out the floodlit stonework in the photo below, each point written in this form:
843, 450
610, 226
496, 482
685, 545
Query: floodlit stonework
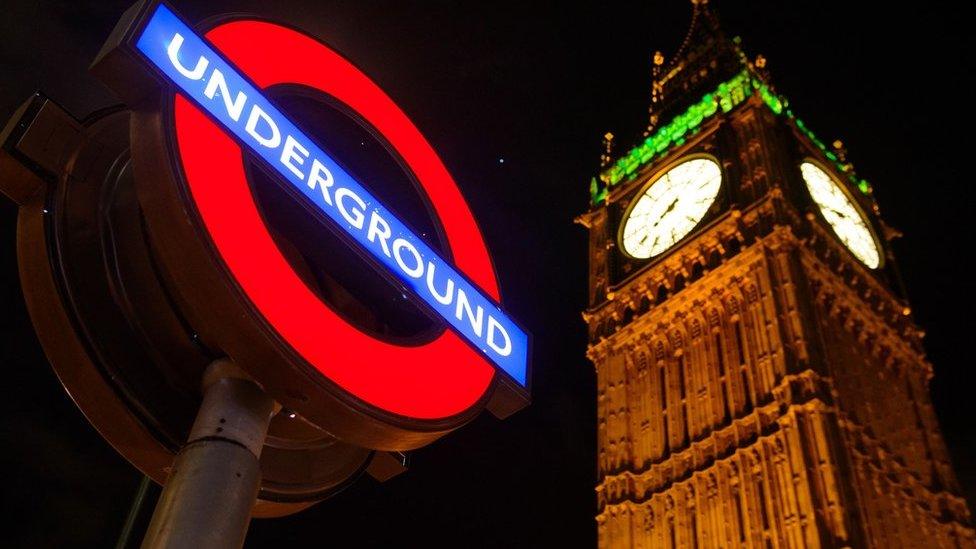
758, 386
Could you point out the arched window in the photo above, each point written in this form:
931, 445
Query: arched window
733, 247
628, 315
679, 283
737, 331
662, 384
714, 259
682, 383
662, 294
735, 486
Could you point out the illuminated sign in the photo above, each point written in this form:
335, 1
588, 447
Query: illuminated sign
264, 54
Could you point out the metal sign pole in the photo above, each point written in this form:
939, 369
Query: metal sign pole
208, 497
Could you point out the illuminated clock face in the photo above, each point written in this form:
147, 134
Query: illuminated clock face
671, 207
841, 214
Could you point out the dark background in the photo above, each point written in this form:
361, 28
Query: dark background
537, 85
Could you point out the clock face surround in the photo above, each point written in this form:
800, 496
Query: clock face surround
842, 214
670, 207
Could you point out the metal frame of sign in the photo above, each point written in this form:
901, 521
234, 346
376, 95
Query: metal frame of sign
210, 295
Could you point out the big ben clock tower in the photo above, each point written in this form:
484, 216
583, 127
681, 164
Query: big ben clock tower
761, 382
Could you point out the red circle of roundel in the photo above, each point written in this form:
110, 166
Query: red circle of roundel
436, 380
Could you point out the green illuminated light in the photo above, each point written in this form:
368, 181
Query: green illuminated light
726, 97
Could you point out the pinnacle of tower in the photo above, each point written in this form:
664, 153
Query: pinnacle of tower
705, 57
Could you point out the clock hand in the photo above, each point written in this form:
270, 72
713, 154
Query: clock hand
671, 207
667, 211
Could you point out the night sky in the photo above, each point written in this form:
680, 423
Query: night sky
536, 85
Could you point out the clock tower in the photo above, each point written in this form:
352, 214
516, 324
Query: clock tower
761, 382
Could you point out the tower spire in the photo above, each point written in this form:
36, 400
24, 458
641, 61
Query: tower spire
705, 57
657, 67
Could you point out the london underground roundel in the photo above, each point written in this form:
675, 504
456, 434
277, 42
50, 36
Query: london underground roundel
218, 109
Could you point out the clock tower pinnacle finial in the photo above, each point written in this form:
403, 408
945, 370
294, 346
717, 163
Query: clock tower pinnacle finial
656, 92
